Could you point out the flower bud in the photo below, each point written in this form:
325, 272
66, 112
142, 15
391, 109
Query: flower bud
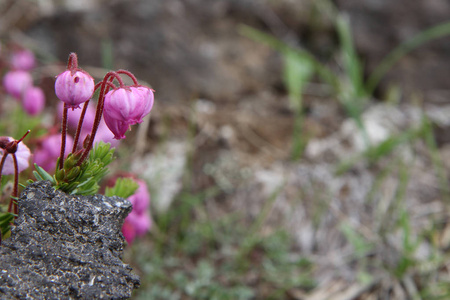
16, 82
74, 88
33, 100
22, 60
22, 155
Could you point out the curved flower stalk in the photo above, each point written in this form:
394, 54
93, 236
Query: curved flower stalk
15, 156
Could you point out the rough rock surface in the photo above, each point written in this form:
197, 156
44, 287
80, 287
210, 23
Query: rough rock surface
66, 247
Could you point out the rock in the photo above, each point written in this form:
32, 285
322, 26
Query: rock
66, 247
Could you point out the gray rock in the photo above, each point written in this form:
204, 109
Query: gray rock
66, 247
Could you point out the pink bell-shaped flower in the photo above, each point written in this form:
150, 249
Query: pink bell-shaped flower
128, 104
22, 155
16, 82
22, 60
74, 87
48, 152
118, 128
147, 99
33, 100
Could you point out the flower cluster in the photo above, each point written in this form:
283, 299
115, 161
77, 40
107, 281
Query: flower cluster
77, 166
121, 106
18, 82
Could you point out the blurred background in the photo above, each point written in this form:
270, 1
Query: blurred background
297, 149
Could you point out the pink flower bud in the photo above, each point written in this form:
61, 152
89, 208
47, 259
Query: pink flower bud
49, 150
118, 128
33, 100
129, 104
74, 89
16, 82
22, 60
22, 154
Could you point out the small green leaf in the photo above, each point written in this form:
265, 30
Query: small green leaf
41, 174
5, 220
124, 187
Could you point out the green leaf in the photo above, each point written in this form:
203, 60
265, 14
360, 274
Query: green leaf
41, 174
124, 187
5, 220
84, 179
298, 69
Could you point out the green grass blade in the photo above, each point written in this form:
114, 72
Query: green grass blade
404, 48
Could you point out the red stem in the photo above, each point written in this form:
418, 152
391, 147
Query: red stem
63, 137
129, 74
2, 162
105, 85
16, 184
80, 124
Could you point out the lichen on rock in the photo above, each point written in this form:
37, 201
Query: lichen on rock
66, 247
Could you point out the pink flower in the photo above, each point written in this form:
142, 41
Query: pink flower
33, 100
136, 225
141, 198
129, 104
22, 155
16, 82
49, 150
138, 222
118, 128
74, 88
22, 60
147, 99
